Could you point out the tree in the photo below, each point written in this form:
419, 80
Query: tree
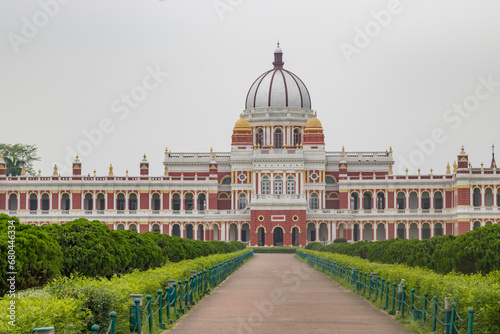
18, 155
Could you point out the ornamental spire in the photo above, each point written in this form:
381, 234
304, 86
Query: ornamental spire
493, 163
278, 58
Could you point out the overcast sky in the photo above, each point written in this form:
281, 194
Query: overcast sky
379, 73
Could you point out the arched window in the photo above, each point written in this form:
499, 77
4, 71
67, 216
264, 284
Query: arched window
367, 200
120, 227
65, 202
176, 230
13, 202
413, 200
87, 202
132, 202
278, 138
354, 201
290, 185
260, 137
242, 201
120, 202
226, 180
155, 202
296, 137
425, 200
176, 202
45, 202
33, 204
189, 231
278, 185
265, 185
438, 200
380, 201
201, 202
156, 228
99, 202
477, 197
401, 200
488, 197
477, 224
188, 202
314, 201
132, 227
329, 180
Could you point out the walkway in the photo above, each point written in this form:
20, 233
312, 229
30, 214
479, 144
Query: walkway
276, 293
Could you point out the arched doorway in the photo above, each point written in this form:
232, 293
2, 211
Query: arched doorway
295, 236
245, 232
380, 231
311, 232
233, 232
367, 232
356, 232
261, 236
278, 236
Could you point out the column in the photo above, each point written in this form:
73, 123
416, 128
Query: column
374, 231
495, 197
361, 232
419, 199
195, 200
271, 183
431, 199
386, 231
419, 231
431, 224
317, 231
182, 230
223, 232
482, 197
348, 199
182, 200
444, 199
329, 226
407, 199
407, 230
471, 202
334, 231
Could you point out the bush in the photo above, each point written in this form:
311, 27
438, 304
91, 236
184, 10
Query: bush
340, 241
315, 246
288, 250
38, 258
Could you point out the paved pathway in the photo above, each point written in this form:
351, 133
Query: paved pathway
276, 293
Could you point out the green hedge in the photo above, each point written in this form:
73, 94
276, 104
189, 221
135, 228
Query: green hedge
477, 251
73, 304
475, 290
90, 248
289, 250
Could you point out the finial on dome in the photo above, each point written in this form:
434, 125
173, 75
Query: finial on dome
278, 42
278, 58
448, 170
144, 157
463, 150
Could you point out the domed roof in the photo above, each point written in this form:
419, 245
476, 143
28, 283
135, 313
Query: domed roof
242, 124
313, 123
278, 88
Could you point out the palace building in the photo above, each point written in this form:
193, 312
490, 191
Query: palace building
277, 186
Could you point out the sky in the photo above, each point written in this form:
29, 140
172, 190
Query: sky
113, 80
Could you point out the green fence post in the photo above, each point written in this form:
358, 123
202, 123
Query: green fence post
150, 313
452, 320
447, 315
403, 302
112, 315
138, 315
44, 330
424, 309
186, 294
412, 300
376, 282
167, 303
135, 312
387, 287
364, 285
382, 286
469, 325
160, 310
95, 329
393, 311
434, 313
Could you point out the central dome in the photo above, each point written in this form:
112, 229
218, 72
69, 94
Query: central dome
278, 88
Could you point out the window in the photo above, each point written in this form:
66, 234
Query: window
401, 200
477, 197
367, 200
45, 202
176, 202
120, 202
201, 202
260, 137
278, 185
265, 185
100, 202
65, 202
438, 200
155, 201
314, 201
242, 201
132, 202
226, 180
88, 201
156, 228
380, 201
188, 205
120, 227
425, 200
290, 185
132, 227
296, 137
13, 202
329, 180
33, 202
278, 138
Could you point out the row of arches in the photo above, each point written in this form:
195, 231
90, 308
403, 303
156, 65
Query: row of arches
402, 202
485, 198
278, 139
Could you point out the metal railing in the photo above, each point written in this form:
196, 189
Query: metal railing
394, 298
